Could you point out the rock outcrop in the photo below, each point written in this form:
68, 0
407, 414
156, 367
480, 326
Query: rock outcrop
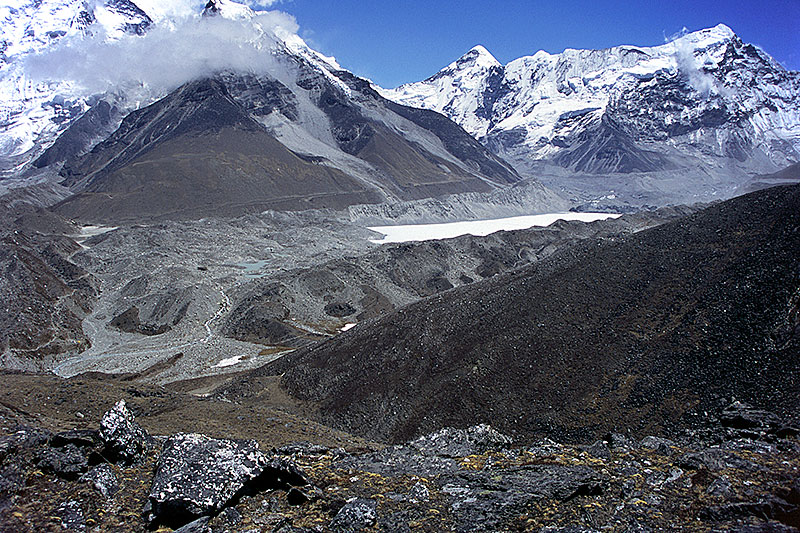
462, 480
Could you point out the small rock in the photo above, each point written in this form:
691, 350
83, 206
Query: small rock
103, 479
599, 449
125, 440
299, 496
618, 440
284, 474
67, 462
357, 514
661, 446
198, 526
71, 516
419, 493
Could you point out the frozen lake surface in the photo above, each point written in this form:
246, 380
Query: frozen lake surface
447, 230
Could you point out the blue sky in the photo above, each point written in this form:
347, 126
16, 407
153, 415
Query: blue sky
394, 42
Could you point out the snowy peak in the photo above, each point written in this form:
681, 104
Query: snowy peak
475, 62
479, 57
30, 26
227, 9
703, 100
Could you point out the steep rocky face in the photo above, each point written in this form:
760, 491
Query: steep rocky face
703, 101
643, 332
33, 115
45, 297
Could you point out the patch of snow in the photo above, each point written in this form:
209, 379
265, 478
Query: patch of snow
231, 361
427, 232
347, 326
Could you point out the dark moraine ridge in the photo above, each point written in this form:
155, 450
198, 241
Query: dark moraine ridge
645, 333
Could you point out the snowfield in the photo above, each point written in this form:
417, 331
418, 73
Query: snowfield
480, 228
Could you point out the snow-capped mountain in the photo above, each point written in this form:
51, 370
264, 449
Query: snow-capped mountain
143, 125
704, 101
33, 113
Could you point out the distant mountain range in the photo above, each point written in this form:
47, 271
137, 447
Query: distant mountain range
301, 134
691, 119
273, 124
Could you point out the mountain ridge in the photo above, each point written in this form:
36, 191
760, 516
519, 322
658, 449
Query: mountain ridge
706, 104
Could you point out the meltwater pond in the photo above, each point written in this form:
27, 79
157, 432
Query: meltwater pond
447, 230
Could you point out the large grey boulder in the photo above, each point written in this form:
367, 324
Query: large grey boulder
356, 515
452, 442
125, 440
199, 476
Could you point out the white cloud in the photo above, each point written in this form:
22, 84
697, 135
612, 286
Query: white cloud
167, 56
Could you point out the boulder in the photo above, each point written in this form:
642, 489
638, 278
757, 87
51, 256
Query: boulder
67, 462
451, 442
199, 476
355, 515
103, 480
125, 440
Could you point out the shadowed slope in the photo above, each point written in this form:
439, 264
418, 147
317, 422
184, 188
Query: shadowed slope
198, 152
640, 333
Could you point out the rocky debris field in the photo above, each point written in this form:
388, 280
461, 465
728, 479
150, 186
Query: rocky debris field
740, 473
643, 332
183, 296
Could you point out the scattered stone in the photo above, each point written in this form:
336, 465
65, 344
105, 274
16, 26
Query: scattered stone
71, 516
766, 509
24, 439
302, 448
484, 500
419, 493
103, 479
395, 523
67, 462
659, 445
400, 460
198, 526
618, 440
125, 440
357, 514
599, 449
716, 459
451, 442
740, 415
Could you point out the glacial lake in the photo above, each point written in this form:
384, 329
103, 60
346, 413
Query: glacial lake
447, 230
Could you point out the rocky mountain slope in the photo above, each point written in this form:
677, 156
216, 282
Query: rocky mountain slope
286, 129
170, 158
329, 295
105, 470
691, 119
45, 295
642, 332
